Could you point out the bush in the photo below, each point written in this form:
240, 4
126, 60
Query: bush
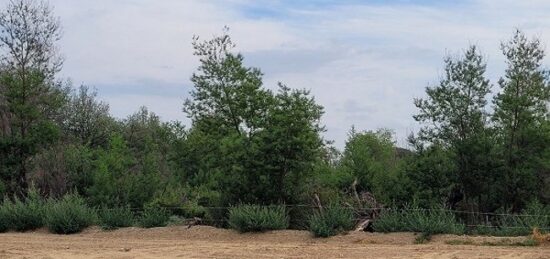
69, 215
505, 224
113, 218
23, 215
254, 218
154, 216
331, 221
414, 219
4, 218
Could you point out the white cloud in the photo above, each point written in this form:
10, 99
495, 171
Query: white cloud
363, 62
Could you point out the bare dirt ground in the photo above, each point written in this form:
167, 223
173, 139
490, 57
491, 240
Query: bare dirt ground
208, 242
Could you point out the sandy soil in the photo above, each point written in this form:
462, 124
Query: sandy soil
208, 242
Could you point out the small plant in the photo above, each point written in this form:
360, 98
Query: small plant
423, 238
254, 218
331, 221
153, 216
113, 218
69, 215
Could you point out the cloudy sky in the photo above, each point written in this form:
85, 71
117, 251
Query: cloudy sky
363, 60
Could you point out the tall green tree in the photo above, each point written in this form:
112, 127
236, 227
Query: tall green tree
521, 113
454, 116
29, 96
254, 144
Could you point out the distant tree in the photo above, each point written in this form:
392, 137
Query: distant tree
455, 117
29, 96
521, 112
87, 119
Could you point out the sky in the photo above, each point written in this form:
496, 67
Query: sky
364, 61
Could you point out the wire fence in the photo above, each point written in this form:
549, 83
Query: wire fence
468, 219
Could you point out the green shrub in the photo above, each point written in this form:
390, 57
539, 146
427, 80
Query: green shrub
69, 215
27, 214
253, 218
331, 221
153, 216
506, 224
414, 219
4, 218
113, 218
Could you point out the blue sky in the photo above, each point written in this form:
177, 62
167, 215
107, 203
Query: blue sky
364, 61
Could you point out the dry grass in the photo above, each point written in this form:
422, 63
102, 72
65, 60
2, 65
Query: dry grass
209, 242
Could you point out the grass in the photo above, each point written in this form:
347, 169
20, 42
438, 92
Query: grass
501, 242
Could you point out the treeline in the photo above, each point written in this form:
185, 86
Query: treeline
250, 145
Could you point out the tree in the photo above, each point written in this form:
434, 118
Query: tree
227, 94
255, 145
371, 158
520, 116
455, 117
87, 119
30, 97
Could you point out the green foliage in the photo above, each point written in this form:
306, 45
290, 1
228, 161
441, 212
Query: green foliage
69, 215
119, 181
255, 218
415, 219
5, 217
507, 224
30, 97
520, 114
153, 216
113, 218
25, 214
86, 119
255, 145
432, 173
372, 159
455, 117
332, 220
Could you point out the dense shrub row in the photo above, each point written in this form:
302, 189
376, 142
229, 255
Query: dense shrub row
71, 214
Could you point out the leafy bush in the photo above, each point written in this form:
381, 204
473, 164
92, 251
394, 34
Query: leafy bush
154, 216
27, 214
69, 215
113, 218
331, 221
253, 218
414, 219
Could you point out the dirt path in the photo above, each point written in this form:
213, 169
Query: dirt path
208, 242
